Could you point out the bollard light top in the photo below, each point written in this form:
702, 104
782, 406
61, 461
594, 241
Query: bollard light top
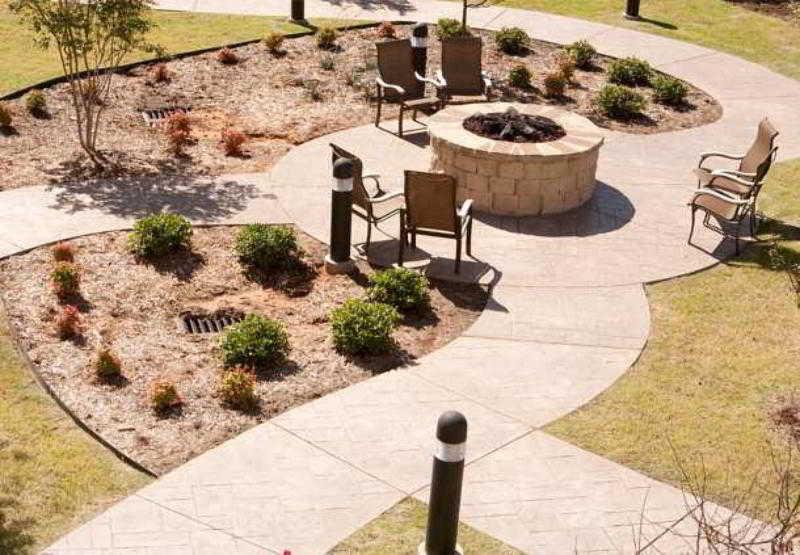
420, 30
452, 427
343, 168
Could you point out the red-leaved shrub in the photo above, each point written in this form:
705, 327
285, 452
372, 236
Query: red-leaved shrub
386, 30
161, 73
68, 322
232, 141
227, 56
178, 129
63, 252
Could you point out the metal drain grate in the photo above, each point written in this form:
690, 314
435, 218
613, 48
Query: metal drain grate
193, 323
157, 116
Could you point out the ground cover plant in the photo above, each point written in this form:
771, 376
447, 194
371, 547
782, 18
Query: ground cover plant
134, 311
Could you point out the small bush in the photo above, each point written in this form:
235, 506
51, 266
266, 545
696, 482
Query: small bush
326, 37
401, 288
620, 102
161, 73
232, 141
237, 389
273, 41
448, 28
255, 342
629, 71
266, 246
327, 63
565, 63
669, 90
386, 30
36, 103
363, 327
63, 252
68, 322
554, 84
583, 52
5, 117
178, 129
159, 234
227, 57
512, 40
107, 366
164, 397
520, 76
313, 87
66, 279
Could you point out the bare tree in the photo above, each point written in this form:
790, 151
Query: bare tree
92, 38
467, 4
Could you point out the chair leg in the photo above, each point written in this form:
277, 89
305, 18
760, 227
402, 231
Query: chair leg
691, 229
458, 254
369, 236
414, 238
469, 238
400, 122
401, 248
378, 113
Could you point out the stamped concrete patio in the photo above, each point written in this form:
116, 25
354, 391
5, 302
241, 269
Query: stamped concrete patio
567, 317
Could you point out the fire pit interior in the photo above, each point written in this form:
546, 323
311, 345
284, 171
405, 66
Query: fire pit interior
516, 159
514, 127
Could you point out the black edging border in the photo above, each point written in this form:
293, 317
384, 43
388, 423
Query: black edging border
47, 83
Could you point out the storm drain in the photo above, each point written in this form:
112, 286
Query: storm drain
193, 323
158, 116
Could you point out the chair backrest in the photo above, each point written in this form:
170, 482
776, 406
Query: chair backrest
396, 67
431, 201
760, 150
360, 195
461, 65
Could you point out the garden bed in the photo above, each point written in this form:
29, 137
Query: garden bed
278, 101
134, 307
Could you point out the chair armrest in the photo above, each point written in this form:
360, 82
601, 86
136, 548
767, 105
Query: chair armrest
735, 173
706, 155
383, 84
721, 196
422, 79
440, 78
727, 175
376, 179
466, 209
384, 198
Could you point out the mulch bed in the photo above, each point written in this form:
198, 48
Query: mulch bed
788, 10
277, 101
133, 307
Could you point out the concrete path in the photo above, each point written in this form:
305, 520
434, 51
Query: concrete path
568, 316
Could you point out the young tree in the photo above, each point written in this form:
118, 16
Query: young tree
92, 38
465, 5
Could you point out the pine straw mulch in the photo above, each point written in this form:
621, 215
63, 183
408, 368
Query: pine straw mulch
133, 308
278, 101
788, 10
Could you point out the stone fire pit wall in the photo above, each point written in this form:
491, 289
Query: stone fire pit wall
517, 179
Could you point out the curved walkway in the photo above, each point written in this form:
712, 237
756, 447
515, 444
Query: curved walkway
567, 317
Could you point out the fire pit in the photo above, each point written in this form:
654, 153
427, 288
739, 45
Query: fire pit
517, 159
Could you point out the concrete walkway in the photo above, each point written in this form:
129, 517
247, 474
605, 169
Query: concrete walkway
567, 317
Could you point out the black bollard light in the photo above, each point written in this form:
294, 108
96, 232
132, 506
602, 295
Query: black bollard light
632, 9
419, 43
338, 260
448, 474
298, 10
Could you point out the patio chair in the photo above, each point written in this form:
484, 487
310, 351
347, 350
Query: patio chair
726, 208
461, 77
375, 207
431, 210
398, 82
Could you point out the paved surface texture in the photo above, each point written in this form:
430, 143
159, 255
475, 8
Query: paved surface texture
567, 317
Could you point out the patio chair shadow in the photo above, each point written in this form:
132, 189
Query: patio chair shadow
196, 198
401, 7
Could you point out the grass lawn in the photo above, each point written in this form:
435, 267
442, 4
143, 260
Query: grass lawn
723, 345
400, 530
22, 64
713, 23
53, 474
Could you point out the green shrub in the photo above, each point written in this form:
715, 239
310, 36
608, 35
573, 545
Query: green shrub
164, 397
237, 389
448, 28
583, 52
159, 234
327, 63
265, 246
620, 102
363, 327
36, 103
401, 288
669, 90
66, 279
520, 76
512, 40
273, 41
5, 117
255, 342
107, 366
565, 63
629, 71
554, 84
326, 37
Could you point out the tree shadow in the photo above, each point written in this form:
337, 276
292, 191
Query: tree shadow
401, 7
196, 198
15, 538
